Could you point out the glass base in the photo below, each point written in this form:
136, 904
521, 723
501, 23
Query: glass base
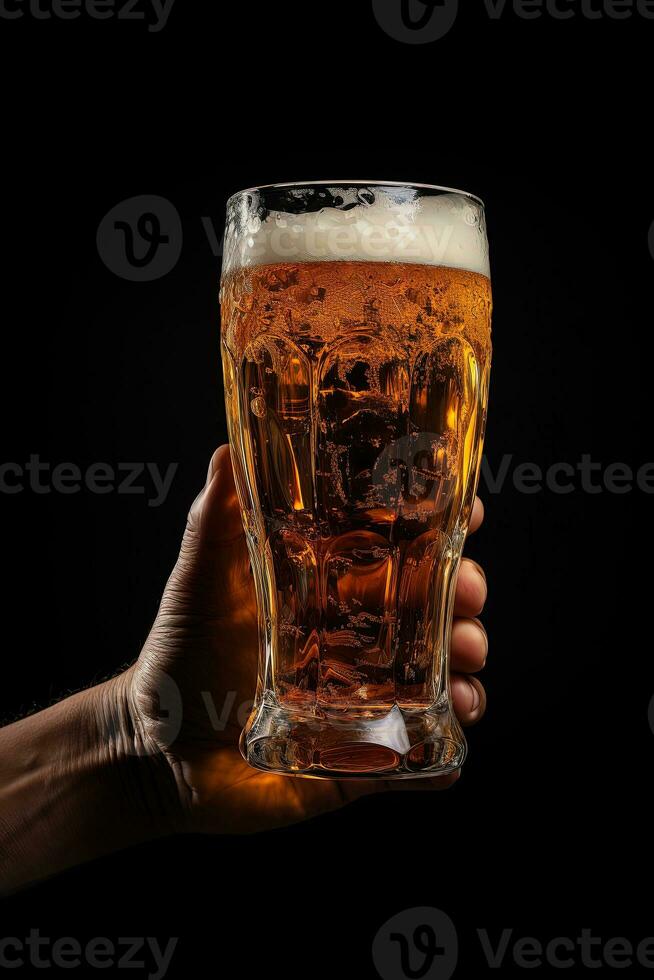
377, 743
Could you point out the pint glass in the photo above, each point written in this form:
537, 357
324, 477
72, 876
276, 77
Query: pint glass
356, 353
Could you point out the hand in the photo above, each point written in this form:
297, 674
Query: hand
104, 769
204, 645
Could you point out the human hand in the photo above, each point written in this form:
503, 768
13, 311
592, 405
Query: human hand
105, 768
203, 648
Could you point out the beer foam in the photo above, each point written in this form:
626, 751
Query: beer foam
370, 223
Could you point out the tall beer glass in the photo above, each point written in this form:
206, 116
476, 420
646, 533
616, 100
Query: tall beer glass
356, 352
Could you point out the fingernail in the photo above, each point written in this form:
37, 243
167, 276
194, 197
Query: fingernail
476, 699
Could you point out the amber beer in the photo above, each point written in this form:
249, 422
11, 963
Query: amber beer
356, 392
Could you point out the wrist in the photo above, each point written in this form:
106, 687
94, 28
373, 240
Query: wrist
78, 781
132, 768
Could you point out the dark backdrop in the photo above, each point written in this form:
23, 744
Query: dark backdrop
547, 120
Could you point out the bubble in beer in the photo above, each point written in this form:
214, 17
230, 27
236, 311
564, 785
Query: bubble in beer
259, 407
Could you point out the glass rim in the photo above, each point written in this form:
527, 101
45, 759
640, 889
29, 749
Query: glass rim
408, 184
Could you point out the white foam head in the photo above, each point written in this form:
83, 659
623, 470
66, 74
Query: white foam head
370, 223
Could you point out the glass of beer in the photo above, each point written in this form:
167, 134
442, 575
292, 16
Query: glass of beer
356, 353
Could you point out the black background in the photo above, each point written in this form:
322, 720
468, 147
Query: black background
549, 830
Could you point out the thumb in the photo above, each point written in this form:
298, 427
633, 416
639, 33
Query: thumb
215, 513
212, 574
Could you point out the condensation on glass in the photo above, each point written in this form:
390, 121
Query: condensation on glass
356, 352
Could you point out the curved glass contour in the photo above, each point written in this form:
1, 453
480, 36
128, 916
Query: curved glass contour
356, 353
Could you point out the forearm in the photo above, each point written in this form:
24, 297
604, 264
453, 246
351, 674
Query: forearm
77, 783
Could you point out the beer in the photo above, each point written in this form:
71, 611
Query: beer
356, 397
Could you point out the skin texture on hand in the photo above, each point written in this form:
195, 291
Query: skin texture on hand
205, 641
152, 752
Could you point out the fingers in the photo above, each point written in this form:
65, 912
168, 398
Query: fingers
469, 698
212, 574
214, 566
469, 650
469, 647
469, 638
215, 513
477, 516
471, 589
469, 644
